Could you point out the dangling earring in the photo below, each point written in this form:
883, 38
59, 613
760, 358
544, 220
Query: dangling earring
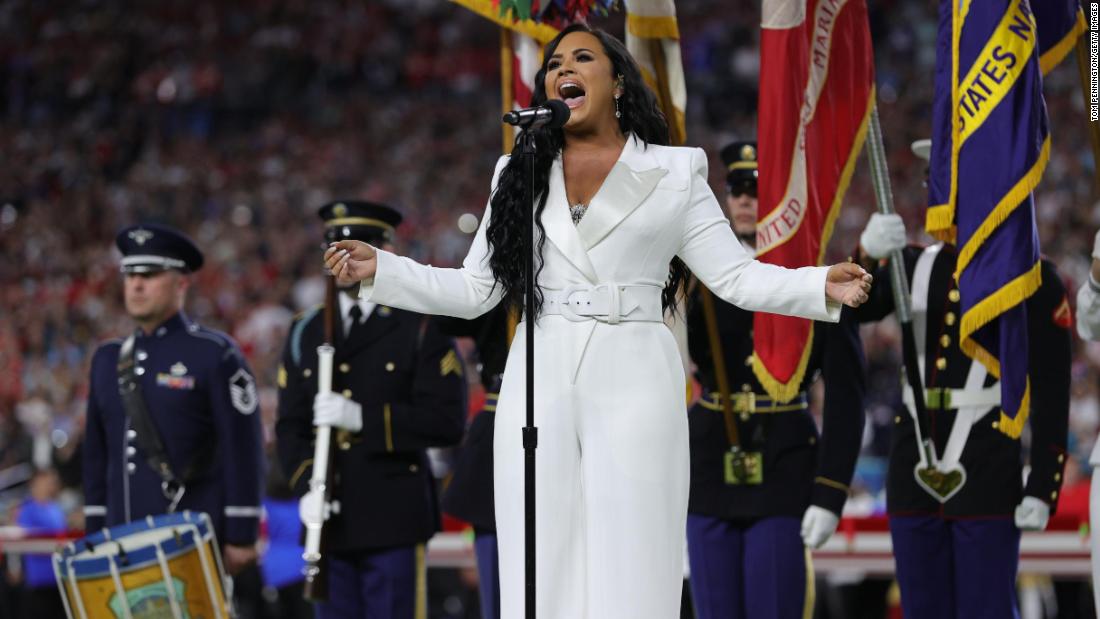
622, 86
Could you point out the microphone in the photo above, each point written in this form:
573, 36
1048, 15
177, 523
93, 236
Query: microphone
551, 114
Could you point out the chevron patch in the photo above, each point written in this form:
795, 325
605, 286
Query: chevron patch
450, 363
1062, 316
242, 392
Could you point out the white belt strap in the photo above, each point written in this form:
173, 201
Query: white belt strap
974, 402
918, 299
981, 397
611, 303
95, 510
242, 511
922, 275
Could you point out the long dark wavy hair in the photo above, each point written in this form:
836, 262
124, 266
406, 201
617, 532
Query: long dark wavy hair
641, 115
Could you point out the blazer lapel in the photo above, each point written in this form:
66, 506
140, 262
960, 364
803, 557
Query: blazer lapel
559, 226
631, 180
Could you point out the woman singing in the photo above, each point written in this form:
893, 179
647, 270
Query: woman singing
615, 210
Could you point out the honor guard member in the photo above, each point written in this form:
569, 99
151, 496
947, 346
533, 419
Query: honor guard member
469, 495
397, 389
756, 505
956, 535
172, 421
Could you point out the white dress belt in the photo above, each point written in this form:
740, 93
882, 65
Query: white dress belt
611, 303
948, 399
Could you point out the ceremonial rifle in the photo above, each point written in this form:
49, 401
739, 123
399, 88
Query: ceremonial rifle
315, 570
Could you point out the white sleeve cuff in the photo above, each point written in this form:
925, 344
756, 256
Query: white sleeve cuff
368, 286
830, 312
243, 511
366, 289
833, 308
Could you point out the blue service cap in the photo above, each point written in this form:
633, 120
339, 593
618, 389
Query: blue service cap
149, 248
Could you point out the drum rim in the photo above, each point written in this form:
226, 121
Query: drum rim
149, 523
197, 530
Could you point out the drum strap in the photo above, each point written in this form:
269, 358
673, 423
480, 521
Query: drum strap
147, 437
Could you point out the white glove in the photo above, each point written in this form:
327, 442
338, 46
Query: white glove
883, 234
333, 409
1088, 312
311, 508
818, 525
1096, 246
1032, 514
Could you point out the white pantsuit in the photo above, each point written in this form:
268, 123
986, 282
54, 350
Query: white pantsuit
612, 472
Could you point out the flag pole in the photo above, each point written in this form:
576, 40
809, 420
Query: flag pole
710, 317
884, 196
507, 100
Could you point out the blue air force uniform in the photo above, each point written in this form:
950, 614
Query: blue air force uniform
202, 399
469, 494
408, 378
959, 558
745, 550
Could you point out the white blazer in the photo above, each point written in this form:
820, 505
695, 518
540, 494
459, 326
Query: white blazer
655, 204
611, 521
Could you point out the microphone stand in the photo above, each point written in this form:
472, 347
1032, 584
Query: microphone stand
530, 432
553, 114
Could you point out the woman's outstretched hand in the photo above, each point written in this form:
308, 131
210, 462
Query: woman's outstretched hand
352, 261
847, 283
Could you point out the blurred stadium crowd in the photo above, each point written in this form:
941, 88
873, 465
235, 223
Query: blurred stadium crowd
236, 120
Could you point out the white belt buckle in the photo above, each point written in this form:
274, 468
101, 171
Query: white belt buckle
566, 306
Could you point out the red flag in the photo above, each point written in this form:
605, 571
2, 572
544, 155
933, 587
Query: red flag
520, 58
816, 95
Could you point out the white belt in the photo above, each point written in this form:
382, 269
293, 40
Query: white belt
611, 303
949, 399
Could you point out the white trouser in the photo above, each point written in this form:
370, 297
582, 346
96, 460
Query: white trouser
1094, 536
611, 477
